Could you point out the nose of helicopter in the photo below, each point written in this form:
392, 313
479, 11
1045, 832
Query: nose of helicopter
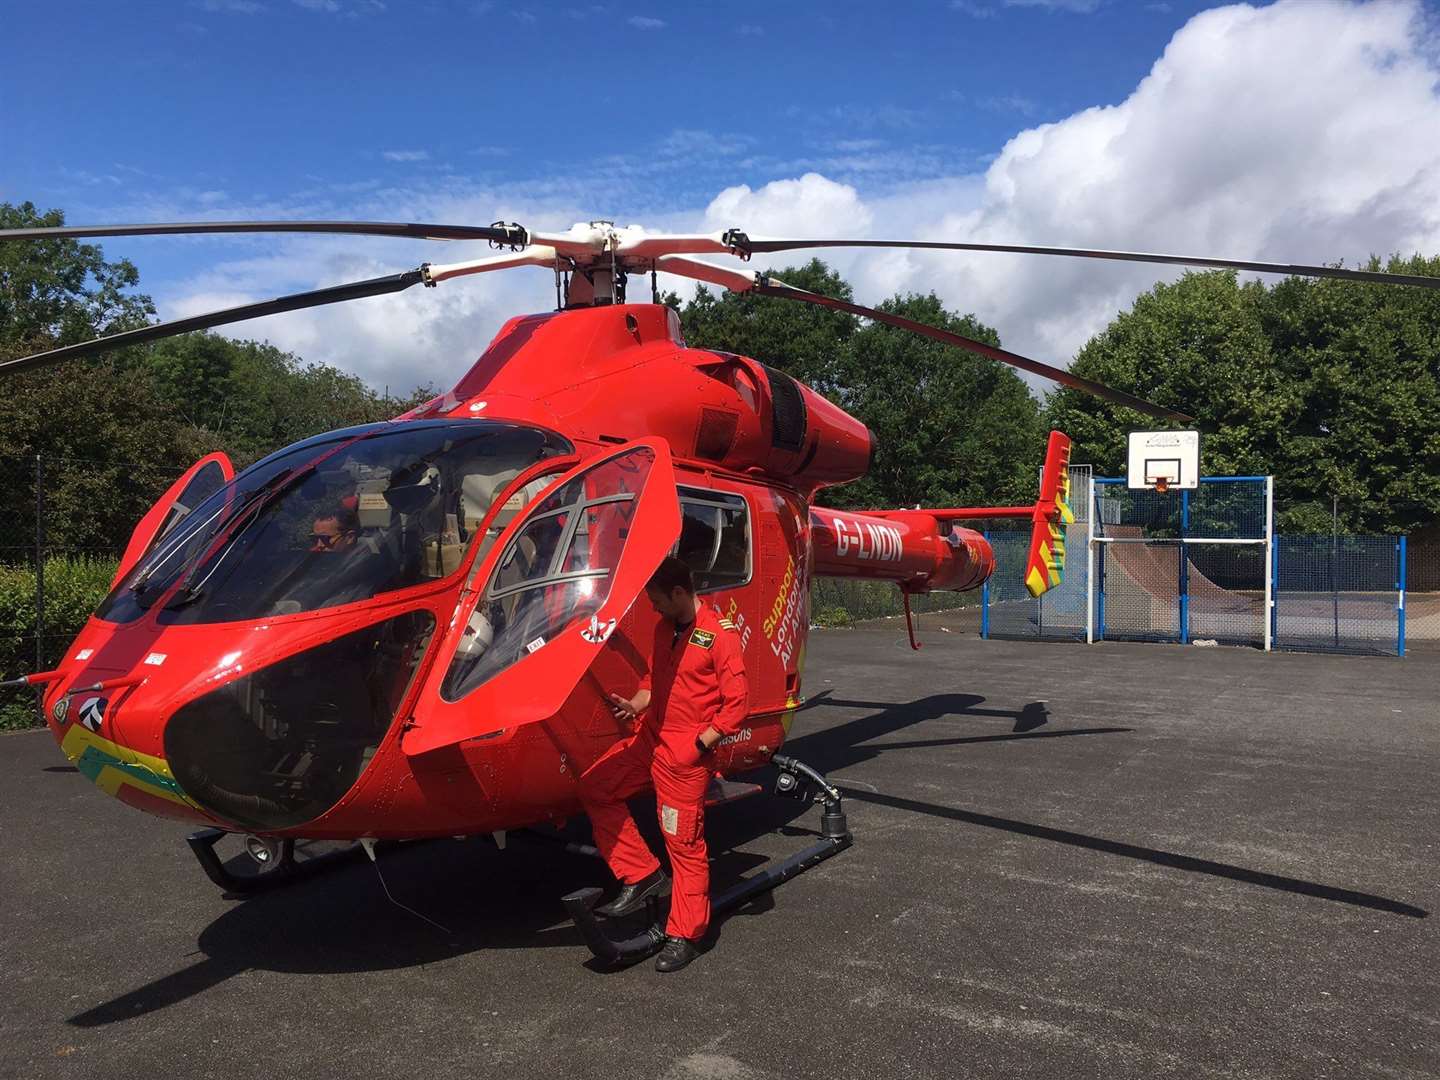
109, 745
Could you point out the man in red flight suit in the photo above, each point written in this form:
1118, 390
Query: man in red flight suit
695, 695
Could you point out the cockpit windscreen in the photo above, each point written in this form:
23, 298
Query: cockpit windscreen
336, 519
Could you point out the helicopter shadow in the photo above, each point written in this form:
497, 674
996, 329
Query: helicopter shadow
341, 921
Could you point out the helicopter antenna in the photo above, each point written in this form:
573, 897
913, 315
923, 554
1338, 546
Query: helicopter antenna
368, 843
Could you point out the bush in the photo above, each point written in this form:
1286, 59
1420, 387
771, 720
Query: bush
831, 616
74, 588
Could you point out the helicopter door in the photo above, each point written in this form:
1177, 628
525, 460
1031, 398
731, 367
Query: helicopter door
200, 481
568, 570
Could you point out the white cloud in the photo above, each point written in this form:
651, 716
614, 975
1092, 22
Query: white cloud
1079, 7
1298, 132
690, 142
1286, 133
811, 206
876, 116
405, 155
645, 22
236, 7
347, 8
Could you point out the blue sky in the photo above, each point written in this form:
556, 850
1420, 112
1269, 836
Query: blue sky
887, 118
264, 100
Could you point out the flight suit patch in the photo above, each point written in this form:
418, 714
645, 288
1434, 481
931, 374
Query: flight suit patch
703, 638
669, 819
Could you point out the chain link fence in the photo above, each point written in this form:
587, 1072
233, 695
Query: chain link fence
844, 601
1338, 593
1010, 610
1197, 566
1182, 565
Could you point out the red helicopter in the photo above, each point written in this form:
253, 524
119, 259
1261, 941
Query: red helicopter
409, 629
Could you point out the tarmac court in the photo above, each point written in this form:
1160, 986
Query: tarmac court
1118, 860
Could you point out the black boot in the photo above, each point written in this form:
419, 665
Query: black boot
678, 952
633, 897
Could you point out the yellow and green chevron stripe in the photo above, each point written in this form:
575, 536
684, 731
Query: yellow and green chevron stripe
124, 773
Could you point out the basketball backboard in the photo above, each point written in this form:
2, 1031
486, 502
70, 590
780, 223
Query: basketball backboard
1162, 460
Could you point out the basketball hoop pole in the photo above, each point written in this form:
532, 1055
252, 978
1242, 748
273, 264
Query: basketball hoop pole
1090, 514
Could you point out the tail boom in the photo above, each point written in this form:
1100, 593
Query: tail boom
916, 549
922, 550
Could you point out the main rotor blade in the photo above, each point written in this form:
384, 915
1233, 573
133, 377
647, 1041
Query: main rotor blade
1035, 367
502, 234
294, 302
743, 245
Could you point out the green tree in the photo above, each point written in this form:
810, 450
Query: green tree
113, 442
801, 340
951, 428
1366, 362
251, 397
1197, 345
56, 292
116, 430
1332, 386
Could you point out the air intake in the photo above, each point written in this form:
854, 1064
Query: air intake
787, 411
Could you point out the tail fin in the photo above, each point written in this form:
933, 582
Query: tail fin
1046, 566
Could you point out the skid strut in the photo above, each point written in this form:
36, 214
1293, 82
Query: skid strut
835, 837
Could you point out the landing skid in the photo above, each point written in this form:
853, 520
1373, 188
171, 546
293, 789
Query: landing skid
283, 868
835, 837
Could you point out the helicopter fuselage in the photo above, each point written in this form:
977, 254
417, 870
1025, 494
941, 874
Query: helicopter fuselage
442, 667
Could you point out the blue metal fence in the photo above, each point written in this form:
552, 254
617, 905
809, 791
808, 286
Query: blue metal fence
1186, 567
1339, 594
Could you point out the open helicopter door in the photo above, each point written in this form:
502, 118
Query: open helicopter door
199, 482
568, 570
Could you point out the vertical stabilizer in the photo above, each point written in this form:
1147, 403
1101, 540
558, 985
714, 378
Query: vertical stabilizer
1045, 568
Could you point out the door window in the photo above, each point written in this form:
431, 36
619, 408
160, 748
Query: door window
714, 538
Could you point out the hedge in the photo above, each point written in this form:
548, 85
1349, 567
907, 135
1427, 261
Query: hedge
74, 588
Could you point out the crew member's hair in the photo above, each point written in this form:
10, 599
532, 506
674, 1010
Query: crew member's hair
672, 574
343, 514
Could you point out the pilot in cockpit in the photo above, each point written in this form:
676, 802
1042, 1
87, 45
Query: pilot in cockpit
335, 529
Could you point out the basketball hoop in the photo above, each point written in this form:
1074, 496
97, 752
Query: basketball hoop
1164, 461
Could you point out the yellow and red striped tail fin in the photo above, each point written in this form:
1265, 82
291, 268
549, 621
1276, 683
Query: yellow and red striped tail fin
1045, 567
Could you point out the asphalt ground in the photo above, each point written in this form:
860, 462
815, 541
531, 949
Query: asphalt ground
1118, 860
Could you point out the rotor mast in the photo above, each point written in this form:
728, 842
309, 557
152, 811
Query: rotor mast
598, 282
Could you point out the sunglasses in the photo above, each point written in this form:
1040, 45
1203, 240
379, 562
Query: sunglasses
325, 540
